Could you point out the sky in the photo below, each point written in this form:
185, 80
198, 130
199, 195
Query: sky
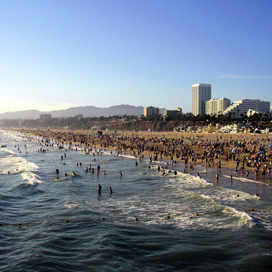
57, 54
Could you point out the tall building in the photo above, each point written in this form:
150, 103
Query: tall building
216, 106
151, 111
200, 94
242, 107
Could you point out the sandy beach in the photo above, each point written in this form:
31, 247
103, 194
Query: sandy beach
246, 154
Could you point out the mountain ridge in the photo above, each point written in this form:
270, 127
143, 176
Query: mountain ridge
86, 111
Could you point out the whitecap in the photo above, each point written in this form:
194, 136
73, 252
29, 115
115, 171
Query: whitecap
31, 178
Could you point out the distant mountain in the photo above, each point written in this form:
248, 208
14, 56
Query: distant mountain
28, 114
88, 111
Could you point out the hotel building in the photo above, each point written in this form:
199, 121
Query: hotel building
151, 111
236, 109
200, 94
216, 106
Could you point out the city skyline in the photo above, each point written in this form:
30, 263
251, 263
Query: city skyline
61, 54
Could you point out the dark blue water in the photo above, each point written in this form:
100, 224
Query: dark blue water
50, 224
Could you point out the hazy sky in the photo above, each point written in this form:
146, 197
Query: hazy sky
57, 54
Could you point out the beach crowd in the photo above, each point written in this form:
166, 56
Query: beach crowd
248, 155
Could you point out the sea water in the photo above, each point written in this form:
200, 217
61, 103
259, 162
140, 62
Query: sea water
150, 222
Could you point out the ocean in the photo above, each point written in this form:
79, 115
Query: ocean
150, 222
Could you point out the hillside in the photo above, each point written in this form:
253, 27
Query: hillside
87, 111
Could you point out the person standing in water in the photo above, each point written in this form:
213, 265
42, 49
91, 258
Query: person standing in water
99, 189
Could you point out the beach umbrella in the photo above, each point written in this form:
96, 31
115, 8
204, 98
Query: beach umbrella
261, 152
254, 156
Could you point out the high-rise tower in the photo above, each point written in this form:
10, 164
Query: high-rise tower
200, 94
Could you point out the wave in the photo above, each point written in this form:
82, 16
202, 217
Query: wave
6, 150
31, 178
16, 164
12, 135
246, 180
179, 208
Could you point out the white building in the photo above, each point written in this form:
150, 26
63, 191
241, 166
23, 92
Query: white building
200, 94
236, 109
151, 111
216, 106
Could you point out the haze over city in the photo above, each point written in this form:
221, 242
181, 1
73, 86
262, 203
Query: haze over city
61, 54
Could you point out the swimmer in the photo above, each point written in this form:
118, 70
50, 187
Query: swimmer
73, 173
99, 189
110, 190
57, 171
217, 177
121, 174
65, 174
198, 175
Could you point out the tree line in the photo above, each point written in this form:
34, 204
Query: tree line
132, 122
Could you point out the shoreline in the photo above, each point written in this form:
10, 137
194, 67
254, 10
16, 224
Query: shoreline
176, 147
